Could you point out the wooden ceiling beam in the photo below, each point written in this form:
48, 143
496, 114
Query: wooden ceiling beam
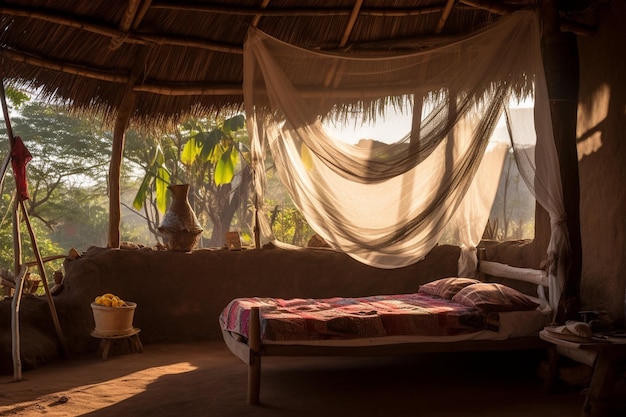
65, 21
122, 77
145, 5
102, 75
126, 37
334, 74
125, 23
257, 17
494, 6
444, 16
304, 11
224, 89
353, 16
191, 88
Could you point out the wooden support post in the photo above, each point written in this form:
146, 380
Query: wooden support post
115, 169
560, 55
125, 111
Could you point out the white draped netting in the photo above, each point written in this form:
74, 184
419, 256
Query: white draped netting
386, 204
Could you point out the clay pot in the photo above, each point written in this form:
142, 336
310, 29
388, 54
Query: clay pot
180, 227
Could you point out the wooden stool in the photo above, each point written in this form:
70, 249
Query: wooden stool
607, 358
106, 340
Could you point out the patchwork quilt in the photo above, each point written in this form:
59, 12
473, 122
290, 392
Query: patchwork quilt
351, 318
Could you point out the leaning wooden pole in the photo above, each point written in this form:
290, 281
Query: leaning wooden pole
4, 168
560, 56
17, 248
20, 277
20, 269
44, 281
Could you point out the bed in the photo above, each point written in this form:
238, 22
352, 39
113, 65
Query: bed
449, 314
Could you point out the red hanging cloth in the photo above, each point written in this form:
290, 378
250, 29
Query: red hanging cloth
19, 158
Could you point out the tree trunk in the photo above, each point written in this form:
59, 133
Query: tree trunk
225, 220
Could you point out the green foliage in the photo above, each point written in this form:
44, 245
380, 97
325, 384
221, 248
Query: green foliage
209, 155
89, 226
289, 225
216, 146
45, 245
16, 97
157, 178
68, 205
69, 154
225, 168
219, 147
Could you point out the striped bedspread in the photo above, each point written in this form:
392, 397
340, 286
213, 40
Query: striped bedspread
352, 318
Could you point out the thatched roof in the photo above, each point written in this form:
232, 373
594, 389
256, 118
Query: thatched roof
186, 57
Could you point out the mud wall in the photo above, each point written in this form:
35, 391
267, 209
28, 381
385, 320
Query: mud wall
602, 161
179, 295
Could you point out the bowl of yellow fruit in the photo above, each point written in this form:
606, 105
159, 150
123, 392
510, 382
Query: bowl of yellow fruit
112, 315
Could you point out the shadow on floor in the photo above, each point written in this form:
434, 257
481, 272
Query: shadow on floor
205, 379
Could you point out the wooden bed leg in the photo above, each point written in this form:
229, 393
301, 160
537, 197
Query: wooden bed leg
553, 370
254, 366
254, 379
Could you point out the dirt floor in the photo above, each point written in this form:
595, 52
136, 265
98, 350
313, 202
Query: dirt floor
205, 379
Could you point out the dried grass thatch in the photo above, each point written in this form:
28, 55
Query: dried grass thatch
184, 58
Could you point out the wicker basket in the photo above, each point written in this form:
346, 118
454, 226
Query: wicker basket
113, 321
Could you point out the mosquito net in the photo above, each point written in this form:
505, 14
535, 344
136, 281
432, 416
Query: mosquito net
386, 202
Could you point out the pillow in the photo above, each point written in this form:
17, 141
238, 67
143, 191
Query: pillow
446, 287
494, 297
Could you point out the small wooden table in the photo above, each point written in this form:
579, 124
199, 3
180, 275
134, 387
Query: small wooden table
606, 395
132, 337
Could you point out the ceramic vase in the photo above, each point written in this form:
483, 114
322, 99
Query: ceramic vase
180, 228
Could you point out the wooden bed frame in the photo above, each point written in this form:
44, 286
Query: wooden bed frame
252, 352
